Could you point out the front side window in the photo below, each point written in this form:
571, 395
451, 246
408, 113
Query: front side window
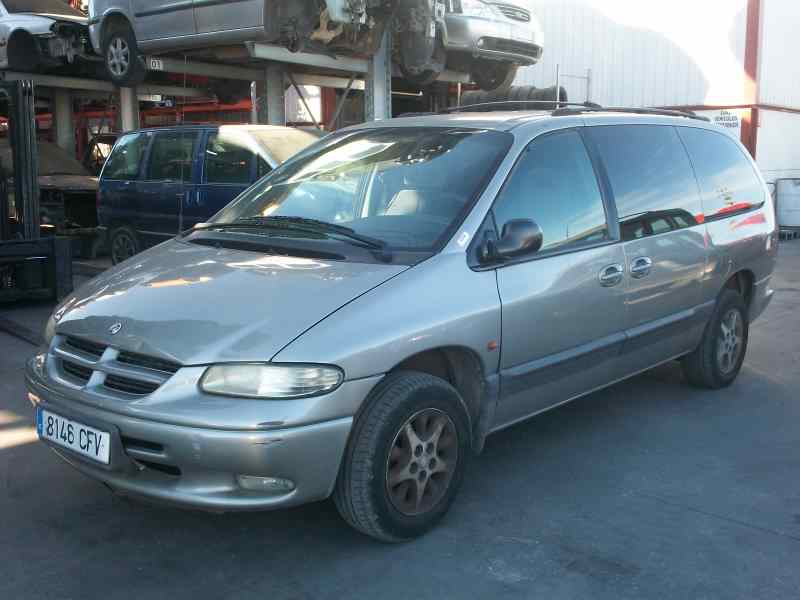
227, 160
126, 158
172, 156
727, 178
654, 186
554, 184
406, 186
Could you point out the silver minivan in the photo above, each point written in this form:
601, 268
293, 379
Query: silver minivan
359, 321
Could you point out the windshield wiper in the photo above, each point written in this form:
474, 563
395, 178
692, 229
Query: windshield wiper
305, 225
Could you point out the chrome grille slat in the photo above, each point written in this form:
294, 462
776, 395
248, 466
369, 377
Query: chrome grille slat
517, 13
127, 374
67, 354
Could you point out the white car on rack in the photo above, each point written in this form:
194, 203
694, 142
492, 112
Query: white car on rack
40, 34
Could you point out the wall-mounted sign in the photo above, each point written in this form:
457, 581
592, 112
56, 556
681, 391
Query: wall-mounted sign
729, 119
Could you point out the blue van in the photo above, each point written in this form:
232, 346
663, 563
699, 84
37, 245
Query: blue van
158, 182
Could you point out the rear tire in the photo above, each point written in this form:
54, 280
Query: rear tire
716, 362
124, 65
123, 244
398, 477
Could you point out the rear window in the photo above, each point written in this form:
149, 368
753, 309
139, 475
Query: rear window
728, 181
652, 179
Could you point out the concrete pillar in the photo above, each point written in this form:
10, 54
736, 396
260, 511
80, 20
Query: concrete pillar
276, 94
378, 96
63, 121
128, 109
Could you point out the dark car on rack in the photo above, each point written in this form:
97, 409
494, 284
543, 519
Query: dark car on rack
158, 182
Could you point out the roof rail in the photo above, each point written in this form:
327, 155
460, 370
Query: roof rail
560, 112
514, 104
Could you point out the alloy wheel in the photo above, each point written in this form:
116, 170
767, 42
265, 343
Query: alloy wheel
730, 341
119, 56
422, 461
122, 248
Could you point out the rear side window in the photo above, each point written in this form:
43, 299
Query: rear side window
227, 160
727, 179
654, 186
126, 158
555, 185
172, 156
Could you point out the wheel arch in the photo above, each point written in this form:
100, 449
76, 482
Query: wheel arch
462, 368
22, 50
112, 18
743, 282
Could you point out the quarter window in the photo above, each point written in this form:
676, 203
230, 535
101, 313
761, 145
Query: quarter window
654, 186
227, 161
126, 158
554, 184
172, 157
727, 179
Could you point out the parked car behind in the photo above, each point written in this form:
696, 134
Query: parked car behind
357, 323
158, 182
487, 39
37, 34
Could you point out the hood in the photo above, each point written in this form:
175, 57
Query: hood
197, 305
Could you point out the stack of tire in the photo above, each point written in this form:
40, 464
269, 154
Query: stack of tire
524, 94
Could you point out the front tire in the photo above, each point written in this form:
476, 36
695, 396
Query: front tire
123, 243
716, 362
405, 459
124, 65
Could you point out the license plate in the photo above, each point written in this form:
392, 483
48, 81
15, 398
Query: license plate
86, 441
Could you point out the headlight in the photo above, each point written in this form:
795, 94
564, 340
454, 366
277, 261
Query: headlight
49, 330
477, 8
270, 381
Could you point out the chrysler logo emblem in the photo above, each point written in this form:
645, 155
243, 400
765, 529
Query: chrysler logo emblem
114, 329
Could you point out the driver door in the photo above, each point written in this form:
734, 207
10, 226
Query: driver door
563, 309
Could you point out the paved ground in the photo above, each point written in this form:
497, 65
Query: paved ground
647, 490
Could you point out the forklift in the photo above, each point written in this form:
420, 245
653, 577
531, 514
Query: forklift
32, 266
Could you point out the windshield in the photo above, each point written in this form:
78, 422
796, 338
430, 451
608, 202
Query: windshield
407, 187
46, 7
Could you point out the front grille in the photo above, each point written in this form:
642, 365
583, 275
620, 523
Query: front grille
148, 362
514, 12
126, 373
130, 386
76, 371
166, 469
85, 346
512, 47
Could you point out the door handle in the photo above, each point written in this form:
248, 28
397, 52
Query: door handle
641, 267
611, 275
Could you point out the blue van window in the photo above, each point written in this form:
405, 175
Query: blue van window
172, 156
227, 160
126, 158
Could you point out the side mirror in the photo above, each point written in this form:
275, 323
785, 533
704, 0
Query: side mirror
520, 237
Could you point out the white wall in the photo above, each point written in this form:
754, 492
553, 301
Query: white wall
778, 151
644, 52
779, 55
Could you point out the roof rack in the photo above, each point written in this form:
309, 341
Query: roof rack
513, 104
562, 109
566, 111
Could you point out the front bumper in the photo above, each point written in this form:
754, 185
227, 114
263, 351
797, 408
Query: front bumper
198, 466
503, 40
